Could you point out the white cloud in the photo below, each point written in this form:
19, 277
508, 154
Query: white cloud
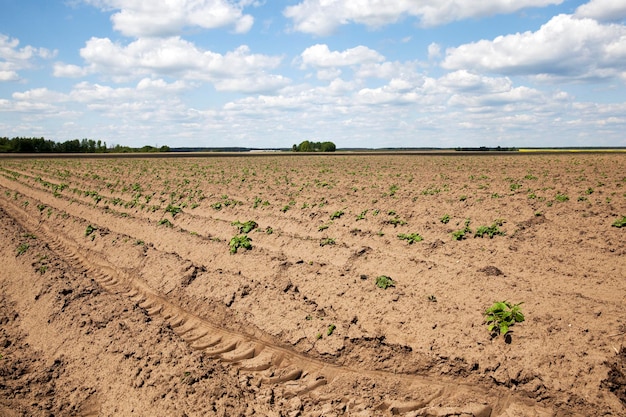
145, 89
515, 98
565, 47
434, 51
603, 10
160, 85
465, 81
14, 59
322, 17
260, 83
319, 56
40, 95
387, 70
9, 75
69, 70
237, 70
166, 18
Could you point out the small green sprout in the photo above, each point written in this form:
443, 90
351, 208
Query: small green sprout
460, 234
245, 227
241, 241
165, 222
501, 316
89, 230
22, 248
620, 222
173, 210
561, 198
384, 282
490, 231
410, 237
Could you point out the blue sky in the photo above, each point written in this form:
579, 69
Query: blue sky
360, 73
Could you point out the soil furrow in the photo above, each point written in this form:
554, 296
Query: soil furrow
300, 316
233, 347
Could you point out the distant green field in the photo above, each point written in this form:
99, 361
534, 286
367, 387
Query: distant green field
573, 150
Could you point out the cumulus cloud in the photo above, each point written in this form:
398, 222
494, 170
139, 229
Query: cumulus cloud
434, 51
177, 57
465, 81
158, 18
322, 17
320, 56
14, 59
388, 70
565, 47
40, 95
603, 10
8, 75
69, 70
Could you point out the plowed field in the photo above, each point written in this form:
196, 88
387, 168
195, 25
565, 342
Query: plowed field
252, 285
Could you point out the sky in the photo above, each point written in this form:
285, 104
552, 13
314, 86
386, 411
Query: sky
273, 73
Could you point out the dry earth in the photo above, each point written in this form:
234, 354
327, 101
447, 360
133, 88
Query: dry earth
119, 294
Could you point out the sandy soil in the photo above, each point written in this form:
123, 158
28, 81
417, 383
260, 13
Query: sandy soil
119, 294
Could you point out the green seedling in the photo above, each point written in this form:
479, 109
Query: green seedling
396, 222
89, 230
226, 202
445, 219
165, 222
22, 248
245, 227
362, 215
323, 227
384, 282
460, 234
619, 222
490, 231
241, 241
501, 316
330, 330
336, 215
561, 198
327, 241
410, 237
173, 210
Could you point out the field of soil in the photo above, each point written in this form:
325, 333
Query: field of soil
255, 285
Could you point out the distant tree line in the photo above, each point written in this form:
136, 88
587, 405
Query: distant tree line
308, 146
486, 149
41, 145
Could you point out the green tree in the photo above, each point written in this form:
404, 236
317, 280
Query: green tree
308, 146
